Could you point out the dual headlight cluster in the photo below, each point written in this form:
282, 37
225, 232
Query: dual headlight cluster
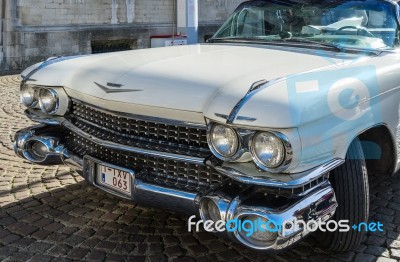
45, 98
271, 151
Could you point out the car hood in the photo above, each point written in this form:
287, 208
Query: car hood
209, 78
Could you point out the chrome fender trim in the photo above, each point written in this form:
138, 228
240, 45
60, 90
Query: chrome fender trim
288, 181
318, 205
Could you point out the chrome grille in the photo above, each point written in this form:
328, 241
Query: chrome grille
142, 132
175, 174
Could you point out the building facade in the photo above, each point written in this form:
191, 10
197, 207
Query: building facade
33, 30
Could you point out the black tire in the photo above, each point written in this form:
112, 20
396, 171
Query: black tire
350, 182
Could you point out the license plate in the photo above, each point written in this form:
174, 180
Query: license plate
114, 178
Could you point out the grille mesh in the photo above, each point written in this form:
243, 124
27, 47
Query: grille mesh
158, 136
176, 174
153, 134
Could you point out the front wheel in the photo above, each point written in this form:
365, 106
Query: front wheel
350, 183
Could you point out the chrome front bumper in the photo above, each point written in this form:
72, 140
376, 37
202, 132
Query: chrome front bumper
233, 201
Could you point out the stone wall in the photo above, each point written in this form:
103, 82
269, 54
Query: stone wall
33, 30
65, 12
216, 10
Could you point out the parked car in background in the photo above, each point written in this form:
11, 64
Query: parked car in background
279, 118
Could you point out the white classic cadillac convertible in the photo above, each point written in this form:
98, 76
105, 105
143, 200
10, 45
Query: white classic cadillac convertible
279, 118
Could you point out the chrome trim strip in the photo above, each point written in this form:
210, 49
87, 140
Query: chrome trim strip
48, 120
257, 85
304, 179
221, 116
235, 111
167, 198
48, 62
184, 195
246, 118
112, 145
240, 118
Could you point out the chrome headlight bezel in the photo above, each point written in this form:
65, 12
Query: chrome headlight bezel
34, 97
246, 152
286, 156
213, 147
61, 99
55, 98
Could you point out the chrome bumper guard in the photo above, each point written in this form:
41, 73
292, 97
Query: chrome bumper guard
318, 202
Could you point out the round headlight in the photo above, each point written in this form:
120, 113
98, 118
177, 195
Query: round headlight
48, 101
224, 140
28, 96
267, 150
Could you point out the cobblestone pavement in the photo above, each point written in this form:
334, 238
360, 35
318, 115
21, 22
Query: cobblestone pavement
50, 213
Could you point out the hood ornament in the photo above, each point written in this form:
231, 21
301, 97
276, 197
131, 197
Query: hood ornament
116, 88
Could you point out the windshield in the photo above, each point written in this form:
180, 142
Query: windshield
365, 24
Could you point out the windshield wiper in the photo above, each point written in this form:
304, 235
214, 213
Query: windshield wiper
288, 41
275, 41
233, 39
337, 47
